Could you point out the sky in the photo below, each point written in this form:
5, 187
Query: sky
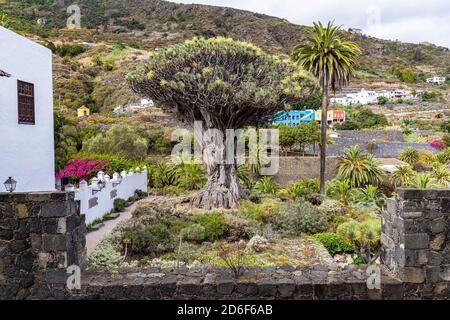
406, 20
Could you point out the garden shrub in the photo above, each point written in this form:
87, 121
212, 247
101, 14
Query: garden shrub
332, 208
264, 212
239, 228
153, 239
214, 224
266, 185
107, 253
304, 187
194, 232
139, 194
301, 218
333, 243
119, 205
121, 140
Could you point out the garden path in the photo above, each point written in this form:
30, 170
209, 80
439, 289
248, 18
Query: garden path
93, 238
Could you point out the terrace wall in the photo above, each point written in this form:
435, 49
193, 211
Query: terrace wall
41, 234
382, 149
294, 168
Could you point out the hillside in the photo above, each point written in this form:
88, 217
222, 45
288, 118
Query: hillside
116, 35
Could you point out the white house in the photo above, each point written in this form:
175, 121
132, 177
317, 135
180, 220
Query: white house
145, 103
437, 80
26, 114
367, 97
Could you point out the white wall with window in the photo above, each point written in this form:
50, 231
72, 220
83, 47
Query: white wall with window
26, 114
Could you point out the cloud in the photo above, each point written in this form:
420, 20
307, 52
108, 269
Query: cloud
405, 20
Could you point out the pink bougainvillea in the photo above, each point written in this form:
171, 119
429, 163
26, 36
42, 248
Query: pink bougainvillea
81, 169
438, 144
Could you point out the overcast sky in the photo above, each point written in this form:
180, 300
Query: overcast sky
405, 20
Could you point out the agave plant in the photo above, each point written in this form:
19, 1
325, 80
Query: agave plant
409, 155
359, 168
444, 156
441, 174
165, 174
303, 187
191, 175
266, 185
244, 176
340, 190
402, 175
422, 181
369, 196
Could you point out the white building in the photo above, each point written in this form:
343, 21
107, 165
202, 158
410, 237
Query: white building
368, 97
437, 80
145, 103
362, 97
26, 114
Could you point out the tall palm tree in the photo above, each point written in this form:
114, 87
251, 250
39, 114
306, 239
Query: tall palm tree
333, 62
359, 168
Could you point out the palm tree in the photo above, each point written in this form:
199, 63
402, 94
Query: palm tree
402, 175
359, 168
333, 62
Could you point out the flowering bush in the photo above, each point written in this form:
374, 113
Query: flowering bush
438, 144
81, 169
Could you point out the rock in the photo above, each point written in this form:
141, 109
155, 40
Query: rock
257, 244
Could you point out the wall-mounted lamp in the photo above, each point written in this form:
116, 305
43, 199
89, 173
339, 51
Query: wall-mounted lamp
10, 184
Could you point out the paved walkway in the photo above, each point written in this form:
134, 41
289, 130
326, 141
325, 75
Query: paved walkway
93, 238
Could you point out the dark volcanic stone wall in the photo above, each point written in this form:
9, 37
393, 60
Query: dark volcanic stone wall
416, 239
41, 234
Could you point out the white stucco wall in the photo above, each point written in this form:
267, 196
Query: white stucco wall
104, 199
26, 151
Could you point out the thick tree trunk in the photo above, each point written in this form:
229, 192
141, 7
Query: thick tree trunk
323, 138
222, 189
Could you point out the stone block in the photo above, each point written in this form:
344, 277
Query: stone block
286, 287
225, 286
22, 211
267, 287
408, 193
435, 258
55, 209
417, 241
438, 225
54, 242
391, 207
433, 274
438, 242
411, 274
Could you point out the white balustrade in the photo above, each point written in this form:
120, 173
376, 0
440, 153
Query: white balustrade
97, 198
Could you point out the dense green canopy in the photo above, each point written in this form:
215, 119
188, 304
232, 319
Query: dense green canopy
225, 83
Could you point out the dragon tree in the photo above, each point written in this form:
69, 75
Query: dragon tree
225, 84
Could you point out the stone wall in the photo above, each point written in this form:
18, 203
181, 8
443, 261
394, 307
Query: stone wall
380, 135
416, 238
316, 282
40, 235
294, 168
382, 149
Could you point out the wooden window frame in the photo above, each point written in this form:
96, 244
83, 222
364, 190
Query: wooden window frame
19, 103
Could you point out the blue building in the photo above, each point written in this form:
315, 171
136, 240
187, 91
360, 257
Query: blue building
295, 117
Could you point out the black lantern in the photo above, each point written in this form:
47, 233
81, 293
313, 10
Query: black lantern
10, 184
